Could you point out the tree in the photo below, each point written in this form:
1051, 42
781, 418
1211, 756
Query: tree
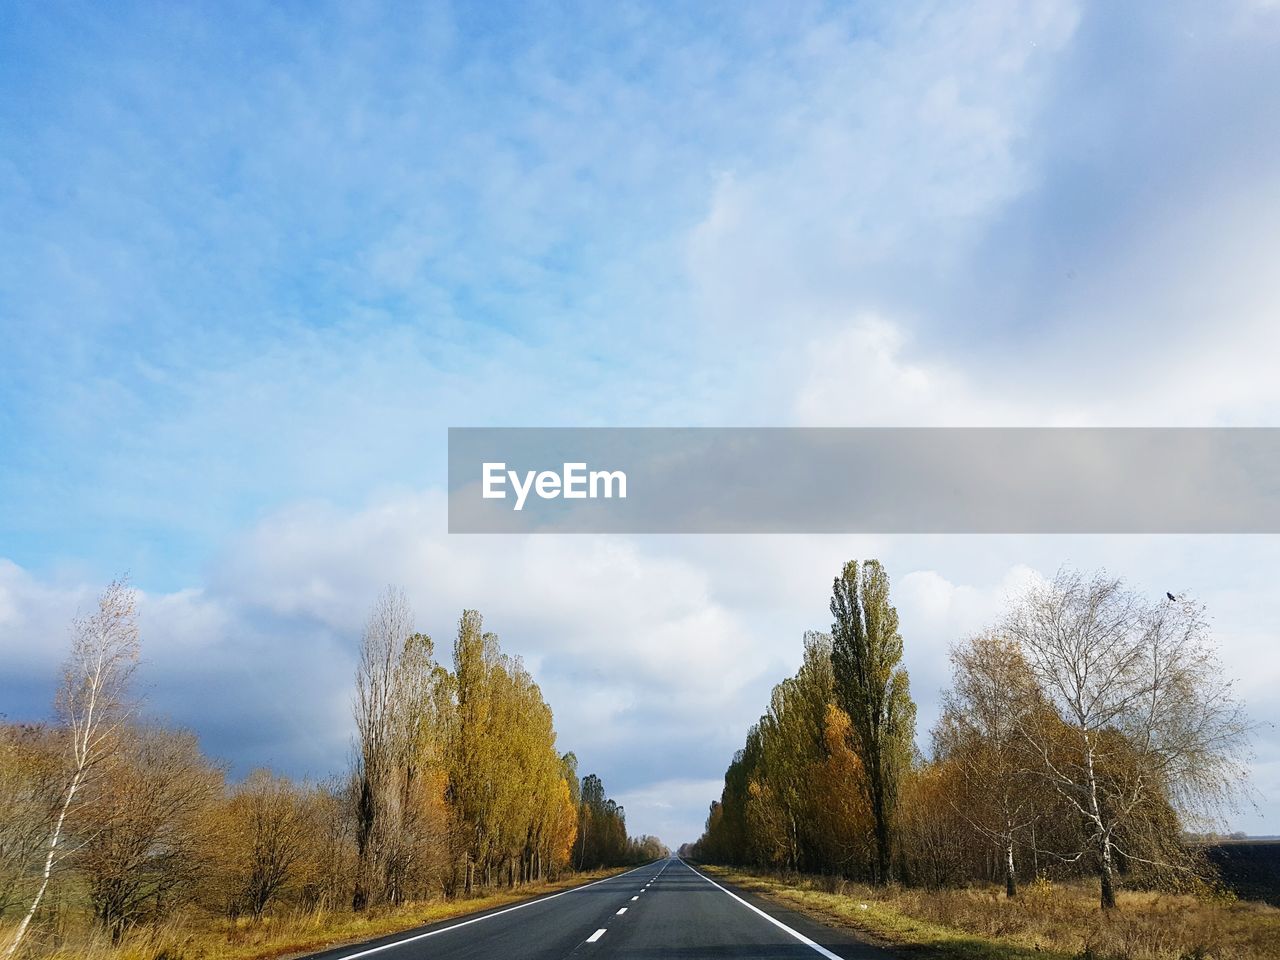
839, 809
93, 702
602, 826
30, 768
794, 793
1141, 722
270, 823
471, 750
571, 828
644, 848
396, 705
991, 697
331, 861
419, 832
562, 829
873, 690
783, 807
934, 844
507, 782
141, 827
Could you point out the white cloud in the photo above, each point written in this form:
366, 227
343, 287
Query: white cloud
981, 216
861, 375
890, 145
668, 809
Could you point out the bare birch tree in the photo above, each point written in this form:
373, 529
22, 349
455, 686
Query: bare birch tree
378, 690
93, 702
1143, 719
401, 693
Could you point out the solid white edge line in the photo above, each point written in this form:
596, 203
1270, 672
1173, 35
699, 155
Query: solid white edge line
466, 923
777, 923
596, 936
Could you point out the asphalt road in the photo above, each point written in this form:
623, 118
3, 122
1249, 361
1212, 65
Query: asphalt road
663, 909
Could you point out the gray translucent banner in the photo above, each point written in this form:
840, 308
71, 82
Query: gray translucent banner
917, 480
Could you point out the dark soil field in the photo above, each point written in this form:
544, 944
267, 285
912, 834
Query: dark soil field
1251, 868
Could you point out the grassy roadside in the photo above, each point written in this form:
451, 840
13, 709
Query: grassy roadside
293, 935
1046, 922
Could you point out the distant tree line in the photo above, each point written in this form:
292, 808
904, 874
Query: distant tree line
456, 785
1083, 733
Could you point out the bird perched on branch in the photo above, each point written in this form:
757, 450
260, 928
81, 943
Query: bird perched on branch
1171, 596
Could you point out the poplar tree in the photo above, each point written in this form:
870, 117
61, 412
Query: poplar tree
399, 711
872, 688
474, 747
509, 787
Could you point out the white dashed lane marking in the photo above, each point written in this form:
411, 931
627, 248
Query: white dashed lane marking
394, 944
596, 936
621, 912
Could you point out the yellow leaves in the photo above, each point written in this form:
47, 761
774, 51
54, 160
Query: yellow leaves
505, 774
564, 829
835, 734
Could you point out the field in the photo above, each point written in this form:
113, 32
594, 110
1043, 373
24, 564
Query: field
1046, 922
1251, 868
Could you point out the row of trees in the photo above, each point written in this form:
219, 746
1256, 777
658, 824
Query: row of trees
1085, 732
456, 783
155, 826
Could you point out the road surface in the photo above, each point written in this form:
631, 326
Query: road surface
663, 909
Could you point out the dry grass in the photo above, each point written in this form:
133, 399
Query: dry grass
278, 937
1046, 921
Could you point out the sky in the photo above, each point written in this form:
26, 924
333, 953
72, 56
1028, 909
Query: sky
257, 260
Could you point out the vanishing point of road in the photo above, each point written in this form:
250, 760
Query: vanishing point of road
664, 909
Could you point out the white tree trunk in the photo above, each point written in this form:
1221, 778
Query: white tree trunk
55, 837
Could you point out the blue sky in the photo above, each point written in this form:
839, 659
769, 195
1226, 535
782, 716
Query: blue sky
257, 260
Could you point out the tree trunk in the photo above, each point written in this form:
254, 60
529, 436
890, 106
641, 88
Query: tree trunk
1107, 876
1010, 876
1105, 871
884, 853
365, 854
51, 854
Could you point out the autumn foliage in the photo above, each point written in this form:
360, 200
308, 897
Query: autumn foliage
1083, 735
116, 825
